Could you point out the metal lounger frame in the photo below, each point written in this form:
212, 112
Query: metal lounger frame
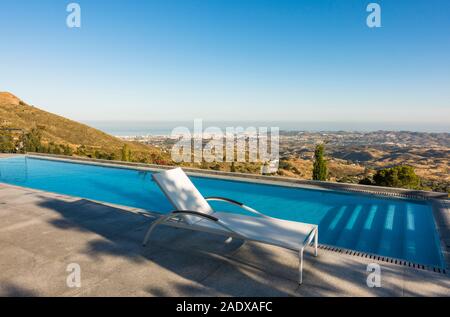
173, 219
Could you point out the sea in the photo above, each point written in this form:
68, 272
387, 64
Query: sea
165, 128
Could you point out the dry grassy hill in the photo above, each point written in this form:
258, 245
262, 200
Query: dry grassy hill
15, 113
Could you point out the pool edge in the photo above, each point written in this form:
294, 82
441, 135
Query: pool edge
441, 215
256, 178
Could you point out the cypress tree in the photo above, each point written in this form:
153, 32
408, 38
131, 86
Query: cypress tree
126, 153
320, 172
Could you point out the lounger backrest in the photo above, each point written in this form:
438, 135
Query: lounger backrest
182, 194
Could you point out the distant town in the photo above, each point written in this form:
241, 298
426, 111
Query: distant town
353, 156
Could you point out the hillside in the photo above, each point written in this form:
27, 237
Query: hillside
15, 113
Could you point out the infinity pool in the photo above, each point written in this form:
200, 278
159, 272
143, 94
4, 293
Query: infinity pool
396, 228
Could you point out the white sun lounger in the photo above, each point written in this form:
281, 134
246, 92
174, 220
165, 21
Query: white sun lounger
192, 211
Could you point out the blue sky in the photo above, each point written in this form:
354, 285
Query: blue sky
230, 60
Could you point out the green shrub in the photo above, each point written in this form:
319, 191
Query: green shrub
7, 143
399, 176
366, 181
32, 141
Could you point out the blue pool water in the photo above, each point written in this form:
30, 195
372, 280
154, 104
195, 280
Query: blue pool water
390, 227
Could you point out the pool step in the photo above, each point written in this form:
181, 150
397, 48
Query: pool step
334, 223
387, 229
377, 229
392, 233
349, 235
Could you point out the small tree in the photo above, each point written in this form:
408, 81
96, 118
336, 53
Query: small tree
56, 149
126, 153
320, 172
67, 150
6, 143
32, 141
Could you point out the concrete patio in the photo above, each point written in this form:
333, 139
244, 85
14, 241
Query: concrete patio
42, 233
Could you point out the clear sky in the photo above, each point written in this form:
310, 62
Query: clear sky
230, 59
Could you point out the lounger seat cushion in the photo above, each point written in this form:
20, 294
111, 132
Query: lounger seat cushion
283, 233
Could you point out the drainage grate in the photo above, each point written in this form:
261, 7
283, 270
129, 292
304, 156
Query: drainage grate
386, 195
383, 258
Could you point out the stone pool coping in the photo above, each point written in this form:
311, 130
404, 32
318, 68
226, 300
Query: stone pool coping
256, 178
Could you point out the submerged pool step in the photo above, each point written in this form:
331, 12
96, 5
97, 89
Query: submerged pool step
392, 233
389, 230
350, 233
412, 242
370, 237
418, 233
333, 224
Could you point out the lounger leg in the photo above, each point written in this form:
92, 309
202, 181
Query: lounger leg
150, 229
300, 269
316, 241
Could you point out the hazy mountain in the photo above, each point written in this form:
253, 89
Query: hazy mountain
15, 113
